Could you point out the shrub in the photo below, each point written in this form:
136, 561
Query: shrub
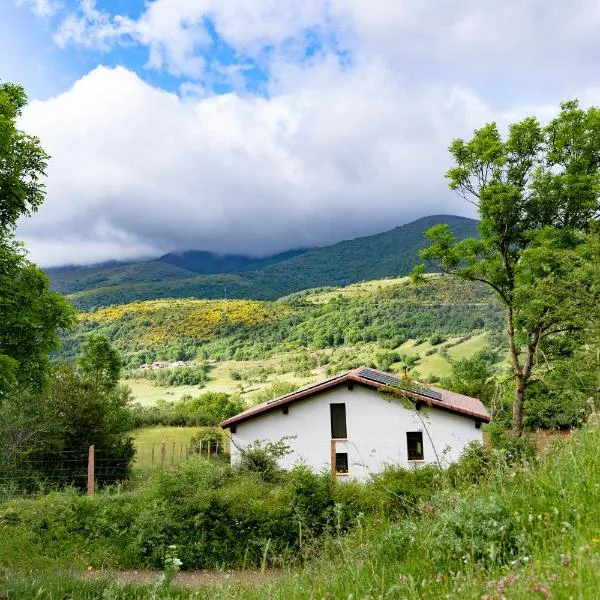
475, 530
261, 457
402, 491
208, 440
473, 466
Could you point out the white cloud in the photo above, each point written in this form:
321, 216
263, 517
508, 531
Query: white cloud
136, 170
333, 151
41, 8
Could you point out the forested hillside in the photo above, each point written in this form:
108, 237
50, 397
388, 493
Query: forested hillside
390, 254
392, 324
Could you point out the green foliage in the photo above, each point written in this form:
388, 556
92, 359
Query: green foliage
537, 193
474, 376
31, 315
261, 457
403, 491
209, 408
336, 265
480, 530
208, 439
276, 389
22, 162
99, 364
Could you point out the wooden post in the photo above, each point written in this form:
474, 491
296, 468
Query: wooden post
163, 453
200, 448
173, 454
187, 455
90, 472
180, 450
217, 449
152, 453
333, 469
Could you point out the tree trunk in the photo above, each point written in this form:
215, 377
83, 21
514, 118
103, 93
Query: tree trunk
517, 420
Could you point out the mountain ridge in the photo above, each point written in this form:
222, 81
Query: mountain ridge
390, 253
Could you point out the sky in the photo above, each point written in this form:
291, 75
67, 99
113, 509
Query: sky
256, 126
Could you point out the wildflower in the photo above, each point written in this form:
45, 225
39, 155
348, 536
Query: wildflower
90, 568
565, 560
595, 540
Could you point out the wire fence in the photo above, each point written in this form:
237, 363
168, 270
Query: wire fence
173, 453
87, 470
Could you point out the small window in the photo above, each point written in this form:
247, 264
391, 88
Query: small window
338, 421
341, 462
414, 442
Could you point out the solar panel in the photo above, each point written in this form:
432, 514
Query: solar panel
387, 379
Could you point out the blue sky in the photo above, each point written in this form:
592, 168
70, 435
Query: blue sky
258, 125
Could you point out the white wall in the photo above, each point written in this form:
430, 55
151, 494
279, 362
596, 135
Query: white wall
376, 427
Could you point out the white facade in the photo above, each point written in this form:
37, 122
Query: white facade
376, 424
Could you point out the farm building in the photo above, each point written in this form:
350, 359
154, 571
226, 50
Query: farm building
353, 425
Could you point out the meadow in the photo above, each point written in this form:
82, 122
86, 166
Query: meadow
491, 527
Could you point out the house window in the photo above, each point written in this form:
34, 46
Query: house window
338, 421
414, 442
341, 462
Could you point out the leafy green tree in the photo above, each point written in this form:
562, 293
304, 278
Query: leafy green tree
30, 313
474, 376
99, 364
537, 192
22, 162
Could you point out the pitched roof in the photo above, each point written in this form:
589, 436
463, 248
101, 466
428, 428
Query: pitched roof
430, 395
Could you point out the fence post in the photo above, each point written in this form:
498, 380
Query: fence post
187, 456
173, 454
152, 453
163, 453
90, 472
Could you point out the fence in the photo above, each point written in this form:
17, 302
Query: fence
87, 470
173, 453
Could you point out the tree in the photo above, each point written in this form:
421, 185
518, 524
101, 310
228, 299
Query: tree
537, 192
30, 312
474, 376
22, 162
99, 364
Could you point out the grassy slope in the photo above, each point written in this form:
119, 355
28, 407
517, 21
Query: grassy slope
550, 511
239, 335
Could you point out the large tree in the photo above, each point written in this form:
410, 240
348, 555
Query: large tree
30, 313
537, 191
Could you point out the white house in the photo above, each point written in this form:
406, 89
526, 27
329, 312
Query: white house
350, 425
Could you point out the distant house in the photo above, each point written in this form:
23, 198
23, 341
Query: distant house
160, 364
345, 424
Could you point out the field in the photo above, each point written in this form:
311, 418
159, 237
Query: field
149, 439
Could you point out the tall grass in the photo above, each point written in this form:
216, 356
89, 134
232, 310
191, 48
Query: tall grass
529, 531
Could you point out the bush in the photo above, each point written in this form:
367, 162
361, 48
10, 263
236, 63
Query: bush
261, 457
402, 491
208, 441
474, 465
207, 409
475, 530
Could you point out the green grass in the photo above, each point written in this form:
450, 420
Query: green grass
147, 394
176, 439
525, 533
467, 348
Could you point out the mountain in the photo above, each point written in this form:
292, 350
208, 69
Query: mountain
195, 274
209, 263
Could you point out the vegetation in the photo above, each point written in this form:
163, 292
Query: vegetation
209, 408
537, 194
30, 313
486, 528
268, 279
246, 330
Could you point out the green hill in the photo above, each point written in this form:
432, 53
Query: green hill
389, 254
